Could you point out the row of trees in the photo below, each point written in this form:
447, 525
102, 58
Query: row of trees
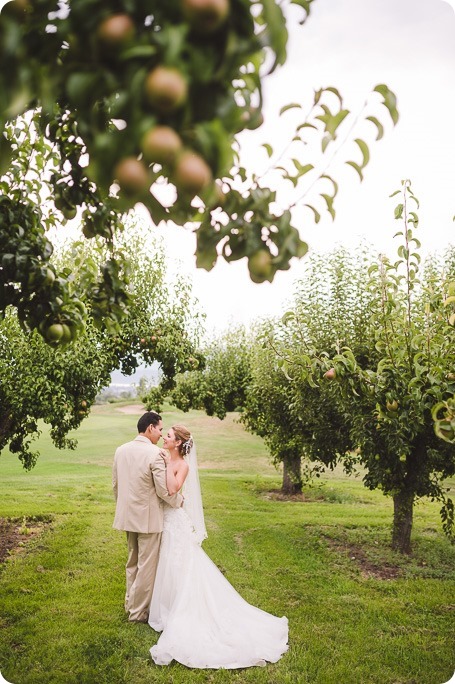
352, 374
58, 384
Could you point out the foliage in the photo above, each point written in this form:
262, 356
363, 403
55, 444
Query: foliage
304, 422
142, 102
444, 416
40, 384
58, 386
389, 393
270, 413
220, 385
29, 280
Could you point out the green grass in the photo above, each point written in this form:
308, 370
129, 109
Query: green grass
319, 562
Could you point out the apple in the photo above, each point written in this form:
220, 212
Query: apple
165, 89
330, 374
67, 333
161, 145
69, 212
116, 31
55, 332
260, 265
132, 176
205, 16
191, 174
392, 405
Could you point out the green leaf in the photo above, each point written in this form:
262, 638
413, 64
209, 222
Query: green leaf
334, 183
287, 317
357, 168
268, 148
140, 51
325, 141
390, 101
399, 211
6, 154
310, 125
302, 169
364, 150
293, 105
335, 121
329, 202
275, 34
379, 126
317, 215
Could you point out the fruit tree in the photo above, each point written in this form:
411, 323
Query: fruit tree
141, 102
57, 380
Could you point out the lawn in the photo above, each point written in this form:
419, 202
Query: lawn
358, 613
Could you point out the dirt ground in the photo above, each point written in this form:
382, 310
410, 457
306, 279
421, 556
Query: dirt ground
132, 409
14, 535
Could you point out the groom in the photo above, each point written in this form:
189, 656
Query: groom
139, 483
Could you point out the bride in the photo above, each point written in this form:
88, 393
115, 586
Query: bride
204, 622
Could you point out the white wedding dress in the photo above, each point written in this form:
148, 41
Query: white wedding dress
204, 622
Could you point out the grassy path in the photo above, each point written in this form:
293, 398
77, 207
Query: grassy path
318, 562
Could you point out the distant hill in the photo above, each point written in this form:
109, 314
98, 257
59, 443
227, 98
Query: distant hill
149, 372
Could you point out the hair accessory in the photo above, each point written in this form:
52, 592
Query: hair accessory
188, 445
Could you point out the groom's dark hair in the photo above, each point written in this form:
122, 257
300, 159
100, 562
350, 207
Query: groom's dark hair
149, 418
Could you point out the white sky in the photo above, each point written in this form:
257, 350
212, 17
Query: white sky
353, 45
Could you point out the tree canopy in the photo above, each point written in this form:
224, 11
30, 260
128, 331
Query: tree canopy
108, 106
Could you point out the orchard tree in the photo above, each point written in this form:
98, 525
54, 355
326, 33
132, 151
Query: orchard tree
58, 383
119, 101
269, 412
304, 424
40, 383
391, 395
220, 383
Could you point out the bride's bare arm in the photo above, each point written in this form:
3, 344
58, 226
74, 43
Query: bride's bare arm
174, 478
159, 477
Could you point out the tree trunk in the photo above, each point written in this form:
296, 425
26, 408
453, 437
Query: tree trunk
292, 475
403, 504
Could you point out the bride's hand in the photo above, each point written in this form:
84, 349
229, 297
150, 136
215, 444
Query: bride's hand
165, 456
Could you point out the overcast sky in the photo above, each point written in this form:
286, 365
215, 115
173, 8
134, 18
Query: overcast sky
354, 45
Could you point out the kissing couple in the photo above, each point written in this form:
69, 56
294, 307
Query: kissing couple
171, 583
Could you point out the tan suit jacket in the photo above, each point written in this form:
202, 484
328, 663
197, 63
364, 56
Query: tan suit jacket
139, 483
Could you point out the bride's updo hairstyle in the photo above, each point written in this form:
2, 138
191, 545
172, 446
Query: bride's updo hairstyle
183, 435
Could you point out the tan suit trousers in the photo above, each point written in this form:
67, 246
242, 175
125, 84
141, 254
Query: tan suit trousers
143, 552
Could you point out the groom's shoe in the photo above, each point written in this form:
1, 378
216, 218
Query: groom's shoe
143, 617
